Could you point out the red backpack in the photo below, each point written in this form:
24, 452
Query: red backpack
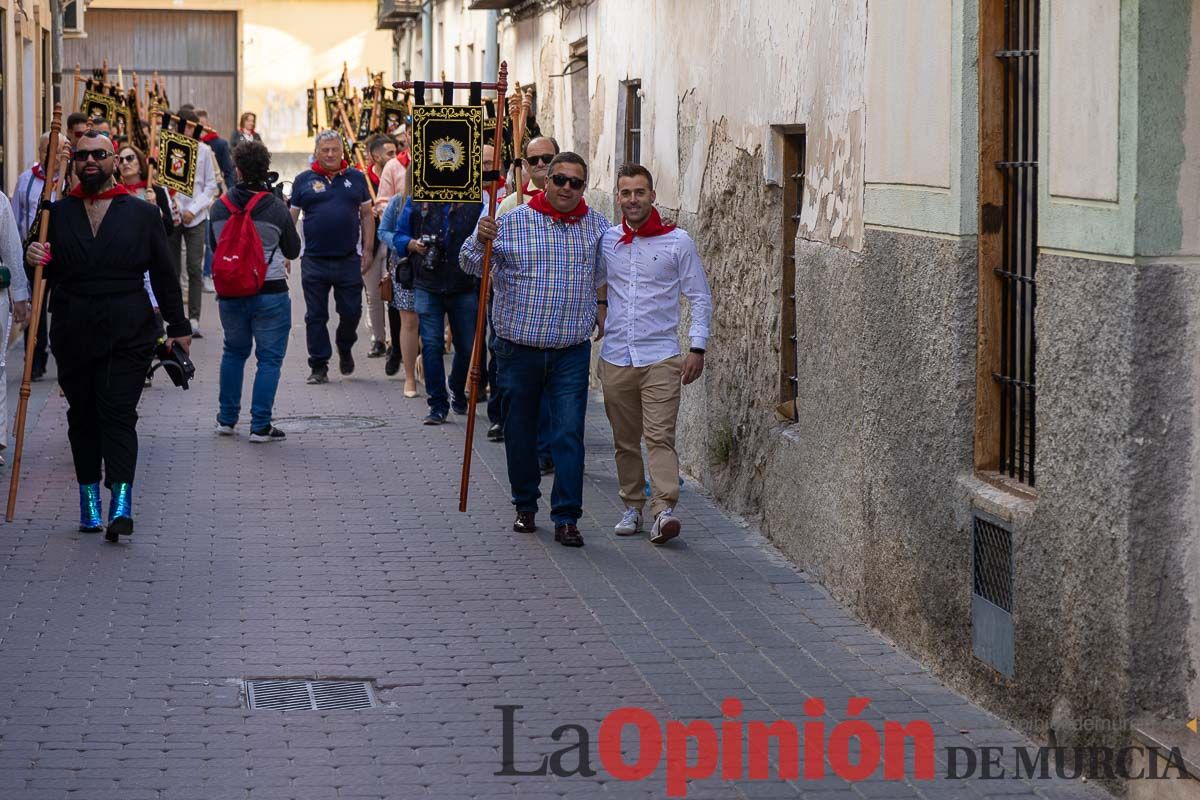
239, 265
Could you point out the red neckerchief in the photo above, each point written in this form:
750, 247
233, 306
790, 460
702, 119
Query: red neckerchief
317, 168
134, 187
39, 173
653, 226
405, 159
116, 191
371, 176
208, 137
539, 204
247, 134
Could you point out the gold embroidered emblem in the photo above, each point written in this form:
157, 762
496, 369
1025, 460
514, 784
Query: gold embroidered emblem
446, 154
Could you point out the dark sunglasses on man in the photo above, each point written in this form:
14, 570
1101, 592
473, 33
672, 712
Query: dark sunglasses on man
562, 180
543, 159
81, 156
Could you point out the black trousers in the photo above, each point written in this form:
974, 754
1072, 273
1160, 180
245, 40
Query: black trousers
41, 349
102, 376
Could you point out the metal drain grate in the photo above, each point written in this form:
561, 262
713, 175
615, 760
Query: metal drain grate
282, 695
992, 592
993, 562
345, 422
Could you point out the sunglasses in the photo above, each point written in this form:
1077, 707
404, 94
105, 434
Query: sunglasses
129, 159
563, 180
535, 160
82, 156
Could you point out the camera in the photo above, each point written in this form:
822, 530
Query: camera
175, 363
430, 259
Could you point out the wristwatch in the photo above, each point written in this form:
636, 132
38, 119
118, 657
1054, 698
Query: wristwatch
697, 350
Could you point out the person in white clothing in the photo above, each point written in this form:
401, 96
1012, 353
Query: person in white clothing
649, 264
14, 302
193, 212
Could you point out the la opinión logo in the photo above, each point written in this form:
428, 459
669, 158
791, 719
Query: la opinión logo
723, 749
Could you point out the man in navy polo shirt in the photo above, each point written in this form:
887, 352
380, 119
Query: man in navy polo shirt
339, 246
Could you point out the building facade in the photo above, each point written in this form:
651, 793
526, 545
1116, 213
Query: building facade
954, 247
26, 85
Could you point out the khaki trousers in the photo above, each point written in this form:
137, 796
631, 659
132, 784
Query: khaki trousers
376, 313
643, 403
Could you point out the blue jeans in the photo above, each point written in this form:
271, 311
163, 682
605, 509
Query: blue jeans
208, 251
432, 310
317, 277
262, 321
528, 376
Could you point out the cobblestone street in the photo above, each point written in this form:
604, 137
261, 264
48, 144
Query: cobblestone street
340, 553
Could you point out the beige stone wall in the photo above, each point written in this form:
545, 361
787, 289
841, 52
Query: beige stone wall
26, 26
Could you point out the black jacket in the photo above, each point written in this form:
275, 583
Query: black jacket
443, 275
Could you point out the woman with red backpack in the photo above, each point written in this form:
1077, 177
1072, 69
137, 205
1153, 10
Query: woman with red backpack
252, 238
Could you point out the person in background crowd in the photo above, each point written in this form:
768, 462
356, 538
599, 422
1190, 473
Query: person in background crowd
405, 334
134, 170
392, 184
339, 245
101, 242
100, 126
14, 300
226, 178
649, 265
77, 125
247, 130
193, 213
25, 202
549, 297
442, 289
381, 150
260, 321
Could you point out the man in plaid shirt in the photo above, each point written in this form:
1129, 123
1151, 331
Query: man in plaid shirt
550, 295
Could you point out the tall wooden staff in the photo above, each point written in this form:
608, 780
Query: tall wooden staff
518, 132
501, 86
348, 132
39, 287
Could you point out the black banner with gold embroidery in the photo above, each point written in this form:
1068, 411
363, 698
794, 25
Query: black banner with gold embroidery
178, 160
447, 154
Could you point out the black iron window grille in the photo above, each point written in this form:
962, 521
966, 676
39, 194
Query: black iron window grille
633, 122
793, 202
992, 563
1018, 270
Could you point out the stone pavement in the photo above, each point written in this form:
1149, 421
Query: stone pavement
341, 554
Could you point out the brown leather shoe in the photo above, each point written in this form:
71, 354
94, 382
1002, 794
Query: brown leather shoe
568, 536
524, 522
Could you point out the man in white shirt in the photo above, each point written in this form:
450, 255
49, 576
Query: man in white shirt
194, 212
649, 266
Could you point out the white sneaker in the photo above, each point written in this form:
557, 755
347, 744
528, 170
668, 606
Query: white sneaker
209, 288
196, 334
631, 523
225, 430
666, 527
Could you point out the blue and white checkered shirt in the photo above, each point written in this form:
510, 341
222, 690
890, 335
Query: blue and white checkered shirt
545, 275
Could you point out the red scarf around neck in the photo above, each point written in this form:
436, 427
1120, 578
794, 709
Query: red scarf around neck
372, 176
209, 137
317, 168
653, 226
39, 173
117, 190
405, 159
540, 204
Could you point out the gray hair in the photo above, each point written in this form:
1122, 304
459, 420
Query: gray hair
325, 136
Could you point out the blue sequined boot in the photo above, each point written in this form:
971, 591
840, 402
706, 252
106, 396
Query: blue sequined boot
120, 512
91, 520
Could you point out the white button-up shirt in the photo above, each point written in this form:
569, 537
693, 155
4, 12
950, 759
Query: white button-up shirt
645, 280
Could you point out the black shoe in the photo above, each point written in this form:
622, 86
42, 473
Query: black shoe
346, 362
392, 365
378, 350
496, 433
568, 536
267, 434
318, 376
37, 373
524, 523
546, 465
434, 418
459, 405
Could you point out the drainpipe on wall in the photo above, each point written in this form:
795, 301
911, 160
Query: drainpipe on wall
397, 34
410, 34
491, 61
427, 38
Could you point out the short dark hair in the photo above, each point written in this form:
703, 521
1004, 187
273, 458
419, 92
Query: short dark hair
632, 170
188, 114
567, 157
186, 107
253, 160
99, 120
549, 139
377, 141
76, 118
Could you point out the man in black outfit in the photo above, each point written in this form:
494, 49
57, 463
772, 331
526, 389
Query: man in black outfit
101, 242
